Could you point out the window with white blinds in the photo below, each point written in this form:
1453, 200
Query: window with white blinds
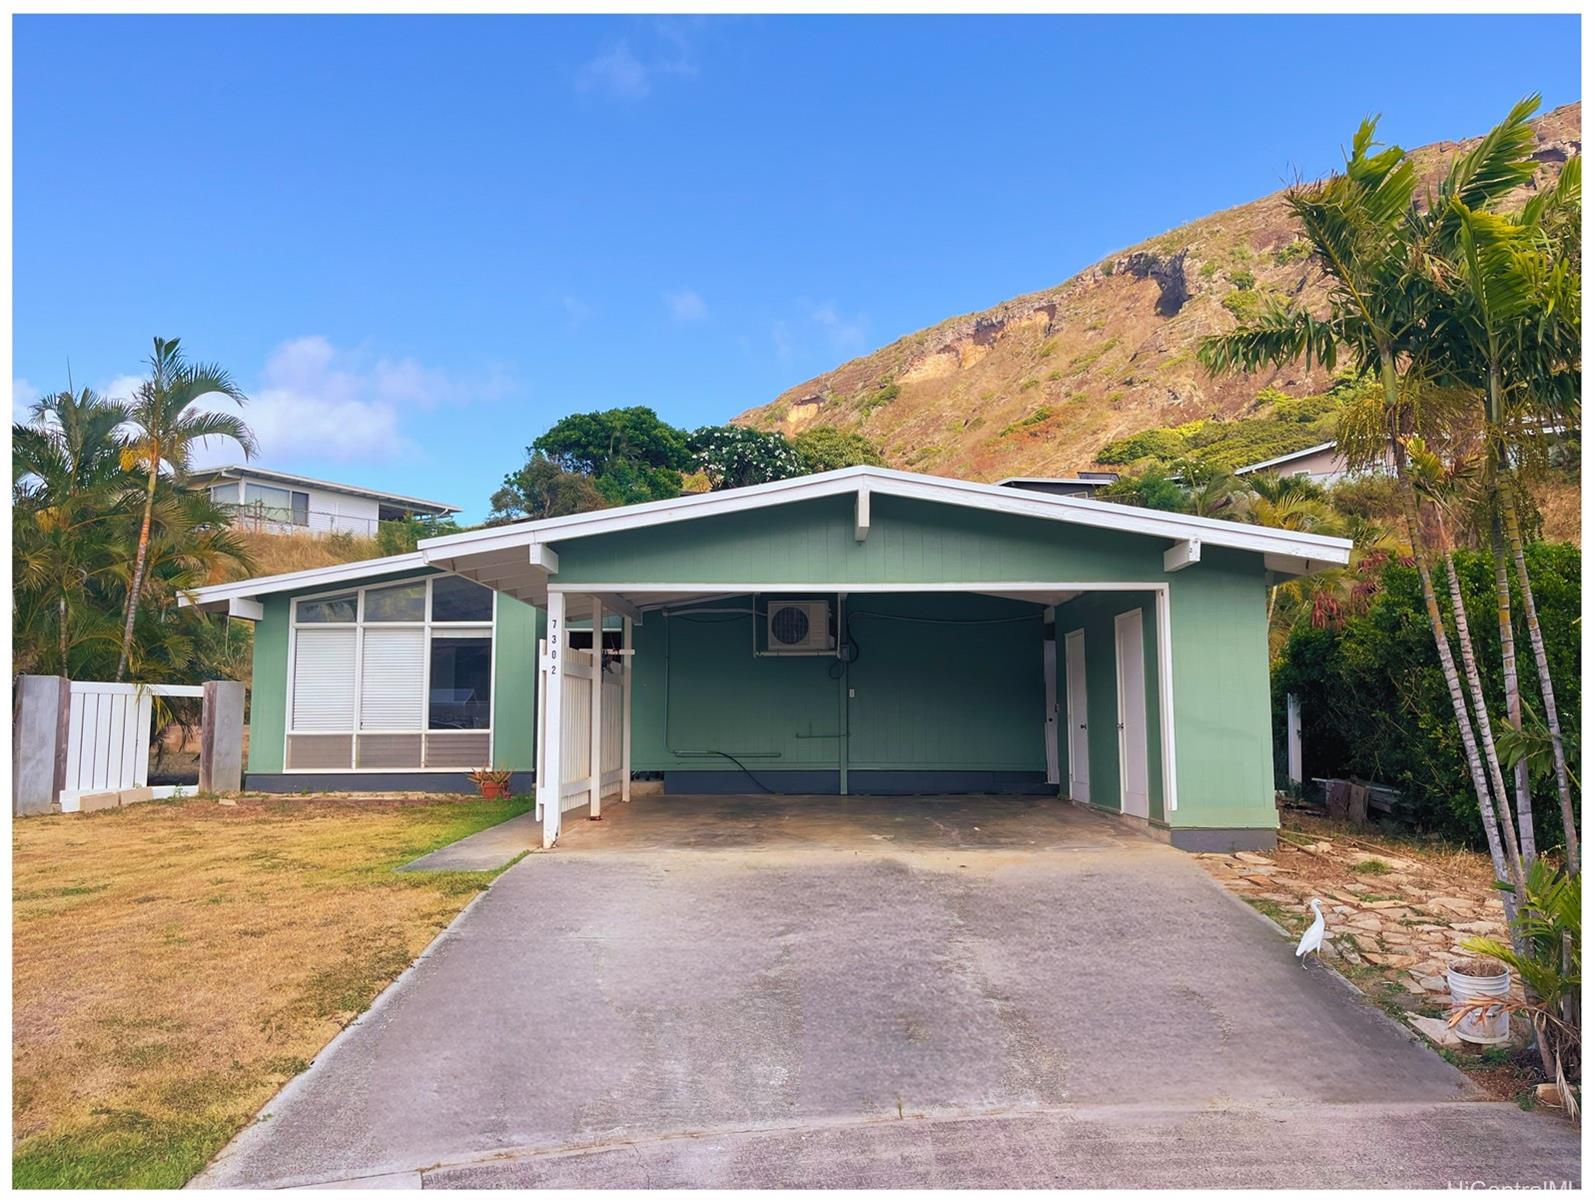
391, 678
402, 673
323, 700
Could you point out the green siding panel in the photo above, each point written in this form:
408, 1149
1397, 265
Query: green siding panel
948, 682
1222, 737
516, 630
931, 690
268, 687
910, 541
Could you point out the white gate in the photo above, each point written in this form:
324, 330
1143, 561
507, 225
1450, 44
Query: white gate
580, 785
108, 737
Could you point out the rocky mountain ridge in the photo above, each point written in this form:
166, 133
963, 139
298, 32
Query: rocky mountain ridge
1039, 383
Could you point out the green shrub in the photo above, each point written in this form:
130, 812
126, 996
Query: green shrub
1243, 279
1046, 349
1151, 443
1375, 704
1244, 305
882, 395
1292, 251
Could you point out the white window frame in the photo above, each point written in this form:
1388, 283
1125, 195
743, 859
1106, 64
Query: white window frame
426, 625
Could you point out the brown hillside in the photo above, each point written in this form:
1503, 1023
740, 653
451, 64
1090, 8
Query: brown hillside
1039, 383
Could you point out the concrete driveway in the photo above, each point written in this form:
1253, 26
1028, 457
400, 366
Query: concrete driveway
876, 992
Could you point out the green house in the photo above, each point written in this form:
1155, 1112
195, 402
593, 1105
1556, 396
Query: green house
862, 632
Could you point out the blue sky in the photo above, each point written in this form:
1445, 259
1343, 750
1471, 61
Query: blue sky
419, 241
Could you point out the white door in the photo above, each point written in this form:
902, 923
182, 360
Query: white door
1049, 676
1132, 713
1075, 694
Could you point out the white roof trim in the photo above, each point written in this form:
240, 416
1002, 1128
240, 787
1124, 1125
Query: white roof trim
218, 594
1075, 510
1284, 458
266, 474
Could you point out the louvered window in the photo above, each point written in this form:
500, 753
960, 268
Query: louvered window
369, 667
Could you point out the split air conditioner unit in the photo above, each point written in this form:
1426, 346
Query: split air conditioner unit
799, 627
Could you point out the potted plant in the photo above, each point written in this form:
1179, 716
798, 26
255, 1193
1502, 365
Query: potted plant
493, 784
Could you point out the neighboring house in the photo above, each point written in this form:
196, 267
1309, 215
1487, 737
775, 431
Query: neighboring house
278, 502
1321, 464
1086, 483
862, 631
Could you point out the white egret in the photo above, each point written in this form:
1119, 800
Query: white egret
1312, 942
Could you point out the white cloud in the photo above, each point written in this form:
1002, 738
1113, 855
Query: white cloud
686, 305
816, 329
23, 395
317, 401
618, 73
846, 333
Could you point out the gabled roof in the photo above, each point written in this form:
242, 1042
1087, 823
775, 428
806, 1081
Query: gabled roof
520, 557
1285, 458
239, 471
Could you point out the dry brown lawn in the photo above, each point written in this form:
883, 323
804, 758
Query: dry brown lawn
175, 963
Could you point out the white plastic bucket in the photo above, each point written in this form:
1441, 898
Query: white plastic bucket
1482, 1027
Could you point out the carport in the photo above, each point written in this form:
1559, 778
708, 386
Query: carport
868, 631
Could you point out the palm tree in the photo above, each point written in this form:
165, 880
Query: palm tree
1449, 486
1511, 332
167, 425
1371, 240
69, 489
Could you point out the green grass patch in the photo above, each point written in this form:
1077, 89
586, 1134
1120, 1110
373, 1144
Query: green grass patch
125, 1149
1371, 866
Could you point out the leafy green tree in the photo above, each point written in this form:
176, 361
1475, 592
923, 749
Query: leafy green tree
734, 456
80, 510
542, 488
630, 454
404, 535
167, 424
69, 487
827, 448
1151, 489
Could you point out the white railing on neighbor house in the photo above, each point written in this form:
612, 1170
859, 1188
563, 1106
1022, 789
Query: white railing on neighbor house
270, 518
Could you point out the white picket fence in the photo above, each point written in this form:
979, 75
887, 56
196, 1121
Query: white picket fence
108, 738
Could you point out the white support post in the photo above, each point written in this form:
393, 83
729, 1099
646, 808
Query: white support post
552, 720
595, 752
539, 777
625, 711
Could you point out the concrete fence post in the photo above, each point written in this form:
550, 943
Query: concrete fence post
40, 718
221, 737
